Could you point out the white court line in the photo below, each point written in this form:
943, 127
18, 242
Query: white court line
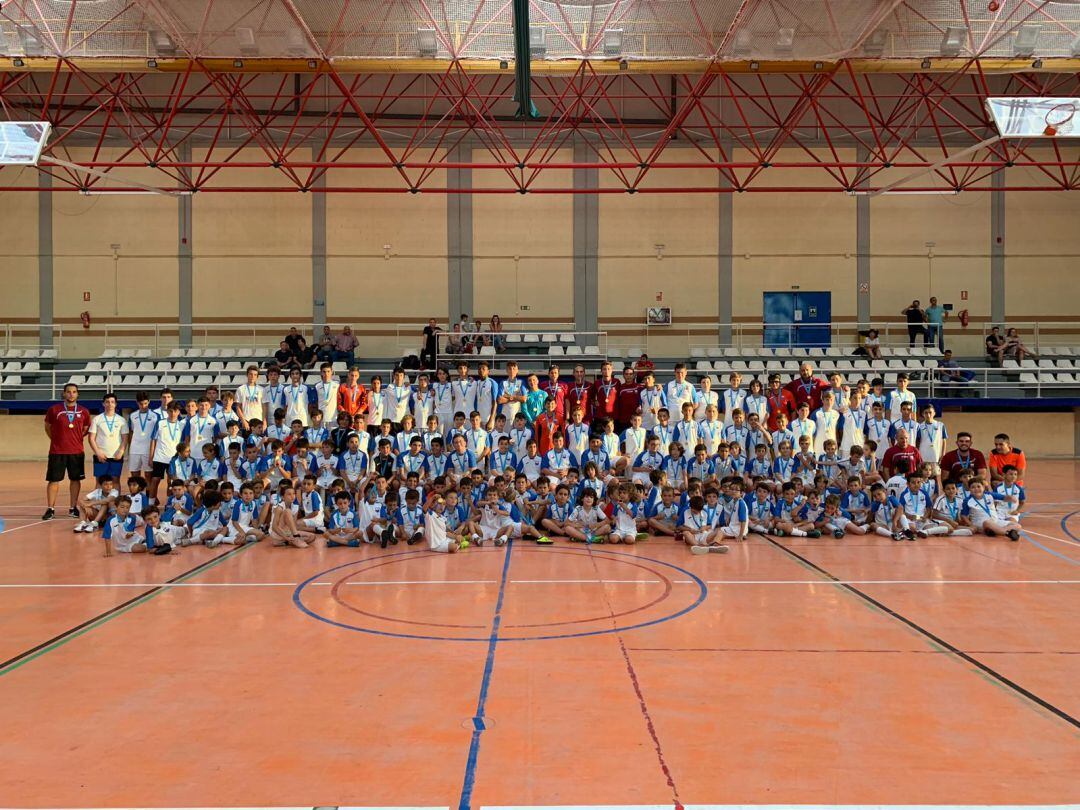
42, 585
27, 526
1049, 537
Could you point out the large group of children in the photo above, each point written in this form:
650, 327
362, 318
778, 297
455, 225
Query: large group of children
460, 460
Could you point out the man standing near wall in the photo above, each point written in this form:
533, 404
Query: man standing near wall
66, 425
935, 324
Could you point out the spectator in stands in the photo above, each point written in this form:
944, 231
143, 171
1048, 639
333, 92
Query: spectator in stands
963, 458
935, 324
455, 343
806, 387
324, 351
1013, 347
429, 354
67, 425
345, 346
995, 344
643, 366
916, 322
1005, 455
304, 356
872, 345
284, 356
293, 339
953, 378
498, 339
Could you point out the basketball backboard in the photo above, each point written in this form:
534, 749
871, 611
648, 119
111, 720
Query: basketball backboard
1035, 117
21, 142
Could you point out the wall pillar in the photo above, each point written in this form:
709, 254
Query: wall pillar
45, 259
318, 251
862, 249
724, 259
184, 255
997, 248
459, 237
586, 244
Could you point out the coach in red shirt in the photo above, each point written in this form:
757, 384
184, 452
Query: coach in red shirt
628, 400
779, 401
902, 448
579, 395
605, 394
557, 391
806, 387
963, 458
66, 425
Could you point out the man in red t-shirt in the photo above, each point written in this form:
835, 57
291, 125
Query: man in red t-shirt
579, 394
779, 401
605, 394
902, 448
557, 391
962, 458
806, 387
66, 425
628, 401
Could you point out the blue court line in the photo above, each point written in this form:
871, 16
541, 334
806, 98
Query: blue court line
1065, 527
485, 683
1047, 549
298, 602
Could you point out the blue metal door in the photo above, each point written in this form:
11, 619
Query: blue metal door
796, 319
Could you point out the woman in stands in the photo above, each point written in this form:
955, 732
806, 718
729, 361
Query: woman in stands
1014, 348
498, 340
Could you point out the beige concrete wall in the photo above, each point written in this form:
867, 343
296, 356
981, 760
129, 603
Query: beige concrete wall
251, 236
1042, 254
523, 247
373, 293
18, 257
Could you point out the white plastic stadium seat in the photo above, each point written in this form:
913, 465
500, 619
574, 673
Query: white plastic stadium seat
567, 337
211, 353
1065, 364
555, 351
197, 366
1043, 363
49, 354
549, 337
1028, 377
176, 353
592, 350
1067, 379
217, 367
697, 353
489, 351
1009, 364
513, 337
77, 379
204, 379
126, 353
10, 381
142, 354
530, 338
185, 380
714, 353
127, 366
1047, 378
95, 381
703, 365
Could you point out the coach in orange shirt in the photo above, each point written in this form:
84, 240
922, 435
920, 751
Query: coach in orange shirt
1005, 455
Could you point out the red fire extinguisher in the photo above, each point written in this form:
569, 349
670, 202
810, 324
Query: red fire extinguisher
964, 318
85, 318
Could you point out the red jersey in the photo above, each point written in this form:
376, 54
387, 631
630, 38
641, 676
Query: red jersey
605, 399
952, 463
546, 426
781, 402
627, 402
579, 396
69, 428
807, 391
894, 454
558, 392
352, 399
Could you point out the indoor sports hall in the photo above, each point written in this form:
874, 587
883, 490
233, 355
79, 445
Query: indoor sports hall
551, 404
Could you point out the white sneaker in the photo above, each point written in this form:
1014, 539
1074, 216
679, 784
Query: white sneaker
699, 549
79, 526
719, 549
214, 541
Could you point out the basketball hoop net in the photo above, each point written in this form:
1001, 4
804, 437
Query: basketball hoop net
1059, 119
